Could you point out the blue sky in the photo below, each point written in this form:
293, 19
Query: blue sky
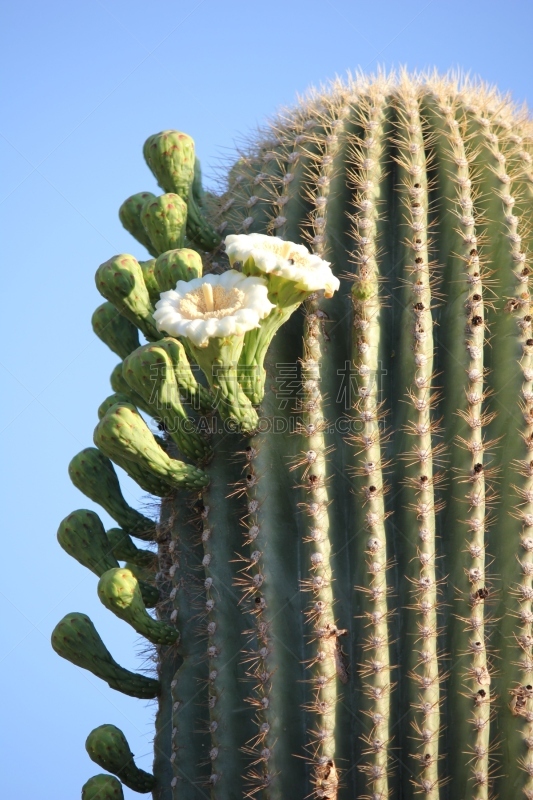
84, 84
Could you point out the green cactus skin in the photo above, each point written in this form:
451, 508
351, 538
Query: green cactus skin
150, 280
93, 474
219, 363
117, 332
199, 230
102, 787
182, 720
76, 639
137, 471
108, 747
170, 156
83, 537
130, 216
196, 186
123, 432
151, 595
151, 373
121, 387
112, 400
366, 629
119, 591
252, 374
120, 280
125, 549
193, 392
143, 564
164, 220
177, 265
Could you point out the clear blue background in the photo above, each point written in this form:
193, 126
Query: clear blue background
85, 83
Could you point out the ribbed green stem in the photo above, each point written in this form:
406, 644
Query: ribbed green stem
179, 743
222, 624
367, 162
325, 663
521, 236
464, 414
419, 476
518, 669
275, 604
505, 381
260, 654
169, 658
219, 364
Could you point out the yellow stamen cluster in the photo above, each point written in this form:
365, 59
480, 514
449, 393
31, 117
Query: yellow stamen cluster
208, 302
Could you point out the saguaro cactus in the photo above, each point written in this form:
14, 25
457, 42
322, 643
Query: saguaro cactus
342, 567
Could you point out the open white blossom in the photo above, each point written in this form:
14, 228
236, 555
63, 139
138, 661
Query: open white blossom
213, 306
294, 262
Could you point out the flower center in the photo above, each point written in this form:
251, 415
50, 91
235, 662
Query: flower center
210, 301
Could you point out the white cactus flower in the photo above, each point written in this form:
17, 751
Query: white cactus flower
294, 262
215, 306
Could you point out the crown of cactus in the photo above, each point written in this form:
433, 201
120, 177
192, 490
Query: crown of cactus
342, 567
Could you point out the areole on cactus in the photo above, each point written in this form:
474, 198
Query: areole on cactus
342, 567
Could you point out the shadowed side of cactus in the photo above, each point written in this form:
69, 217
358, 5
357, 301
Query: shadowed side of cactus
344, 558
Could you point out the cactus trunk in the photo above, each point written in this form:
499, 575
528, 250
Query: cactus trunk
345, 559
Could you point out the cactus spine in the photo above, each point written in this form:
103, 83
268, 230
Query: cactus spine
343, 573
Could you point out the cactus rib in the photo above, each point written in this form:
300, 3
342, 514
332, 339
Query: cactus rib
420, 479
324, 663
368, 154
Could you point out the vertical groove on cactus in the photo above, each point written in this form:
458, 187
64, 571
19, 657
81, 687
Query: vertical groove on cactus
366, 163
